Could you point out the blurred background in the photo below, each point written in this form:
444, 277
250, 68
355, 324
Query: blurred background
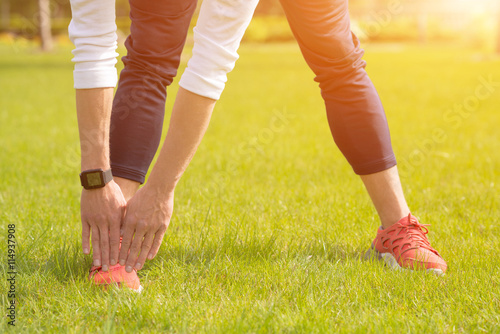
469, 23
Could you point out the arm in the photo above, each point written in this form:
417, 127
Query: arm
150, 210
218, 33
93, 32
101, 209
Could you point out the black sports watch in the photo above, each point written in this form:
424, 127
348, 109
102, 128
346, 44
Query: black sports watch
95, 178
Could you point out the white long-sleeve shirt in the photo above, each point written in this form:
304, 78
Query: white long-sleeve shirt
93, 32
217, 36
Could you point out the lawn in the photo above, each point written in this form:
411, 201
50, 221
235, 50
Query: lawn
269, 239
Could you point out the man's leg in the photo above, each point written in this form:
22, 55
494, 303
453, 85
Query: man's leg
355, 114
359, 127
387, 195
157, 36
128, 187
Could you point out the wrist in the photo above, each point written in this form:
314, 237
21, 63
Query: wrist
163, 190
95, 159
162, 183
88, 164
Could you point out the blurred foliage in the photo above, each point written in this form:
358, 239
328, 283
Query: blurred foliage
23, 15
269, 8
268, 29
372, 20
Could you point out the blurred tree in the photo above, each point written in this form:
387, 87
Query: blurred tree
44, 24
24, 8
5, 16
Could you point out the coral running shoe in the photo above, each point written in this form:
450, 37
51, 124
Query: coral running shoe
404, 245
115, 275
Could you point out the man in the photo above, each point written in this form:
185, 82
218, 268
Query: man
158, 31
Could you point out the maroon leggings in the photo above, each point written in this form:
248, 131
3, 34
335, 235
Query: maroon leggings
322, 28
355, 114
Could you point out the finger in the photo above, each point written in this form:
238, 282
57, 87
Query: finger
96, 253
146, 246
135, 247
104, 244
114, 241
85, 237
128, 232
155, 247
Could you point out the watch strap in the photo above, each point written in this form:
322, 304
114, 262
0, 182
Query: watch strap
107, 176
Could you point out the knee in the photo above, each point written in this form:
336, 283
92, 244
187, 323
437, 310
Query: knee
341, 67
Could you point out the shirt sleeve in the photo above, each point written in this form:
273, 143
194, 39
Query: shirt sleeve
217, 36
93, 32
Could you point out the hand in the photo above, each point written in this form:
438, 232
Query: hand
102, 211
145, 223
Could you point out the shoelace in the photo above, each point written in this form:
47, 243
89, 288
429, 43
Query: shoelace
110, 269
92, 269
416, 232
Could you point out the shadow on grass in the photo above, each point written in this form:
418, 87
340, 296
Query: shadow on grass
255, 249
67, 263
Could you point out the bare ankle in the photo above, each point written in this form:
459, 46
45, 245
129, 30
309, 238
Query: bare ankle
128, 187
389, 220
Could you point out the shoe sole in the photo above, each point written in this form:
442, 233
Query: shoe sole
391, 262
119, 285
138, 290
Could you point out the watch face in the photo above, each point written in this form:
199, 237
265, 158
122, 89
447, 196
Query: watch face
94, 179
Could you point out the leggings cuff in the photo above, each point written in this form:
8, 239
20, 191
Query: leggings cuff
128, 173
375, 166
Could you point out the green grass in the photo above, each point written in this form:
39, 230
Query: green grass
267, 240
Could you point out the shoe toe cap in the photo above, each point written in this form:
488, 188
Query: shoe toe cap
425, 259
